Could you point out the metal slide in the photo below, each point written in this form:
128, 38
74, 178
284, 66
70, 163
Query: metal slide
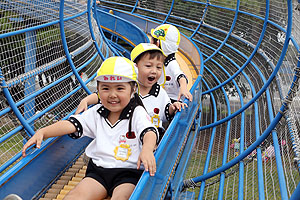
239, 138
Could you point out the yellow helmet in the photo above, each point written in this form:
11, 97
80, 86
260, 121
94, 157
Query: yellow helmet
117, 69
144, 47
141, 48
168, 36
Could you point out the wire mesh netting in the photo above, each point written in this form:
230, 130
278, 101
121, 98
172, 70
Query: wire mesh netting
244, 39
33, 62
246, 55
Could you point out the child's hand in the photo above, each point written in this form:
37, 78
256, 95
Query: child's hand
37, 139
184, 92
147, 158
177, 106
83, 106
84, 103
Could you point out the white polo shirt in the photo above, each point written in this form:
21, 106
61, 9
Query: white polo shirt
157, 102
173, 74
106, 149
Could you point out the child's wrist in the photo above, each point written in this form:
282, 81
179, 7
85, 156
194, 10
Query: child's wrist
148, 147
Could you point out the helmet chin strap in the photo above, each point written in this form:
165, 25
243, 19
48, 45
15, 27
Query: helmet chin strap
140, 82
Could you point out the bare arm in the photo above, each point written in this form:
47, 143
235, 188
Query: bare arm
146, 156
84, 103
183, 89
57, 129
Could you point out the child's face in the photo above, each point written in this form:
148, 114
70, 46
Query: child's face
149, 70
114, 96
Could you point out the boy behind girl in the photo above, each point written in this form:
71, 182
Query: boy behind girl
149, 61
123, 136
167, 37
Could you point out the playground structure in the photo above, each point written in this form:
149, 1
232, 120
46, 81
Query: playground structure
239, 138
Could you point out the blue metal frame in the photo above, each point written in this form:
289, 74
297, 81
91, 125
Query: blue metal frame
228, 34
29, 99
202, 19
257, 130
65, 46
92, 32
30, 60
169, 13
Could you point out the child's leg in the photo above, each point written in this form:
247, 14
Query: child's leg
123, 191
89, 189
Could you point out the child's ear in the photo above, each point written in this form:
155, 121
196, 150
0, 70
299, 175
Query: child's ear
134, 91
135, 87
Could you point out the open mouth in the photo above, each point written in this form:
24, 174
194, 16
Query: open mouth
151, 78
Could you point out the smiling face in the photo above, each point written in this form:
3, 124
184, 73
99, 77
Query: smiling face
149, 70
115, 96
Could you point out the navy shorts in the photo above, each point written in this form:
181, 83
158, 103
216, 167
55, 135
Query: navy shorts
110, 178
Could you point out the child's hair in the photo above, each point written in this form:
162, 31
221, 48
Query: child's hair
134, 102
155, 40
153, 54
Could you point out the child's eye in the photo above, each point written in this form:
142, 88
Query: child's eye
159, 67
104, 88
120, 88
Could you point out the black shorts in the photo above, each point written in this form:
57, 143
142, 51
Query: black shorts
110, 178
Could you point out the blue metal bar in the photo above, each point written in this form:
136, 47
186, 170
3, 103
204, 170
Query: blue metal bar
261, 190
260, 174
9, 134
12, 160
30, 64
281, 177
270, 114
13, 106
28, 98
241, 167
160, 150
241, 109
191, 21
46, 67
100, 29
169, 13
211, 142
19, 165
250, 57
222, 176
292, 137
296, 193
65, 46
229, 32
274, 122
135, 5
246, 152
290, 122
257, 129
9, 34
9, 163
202, 18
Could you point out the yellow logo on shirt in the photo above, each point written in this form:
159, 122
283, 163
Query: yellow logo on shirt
122, 152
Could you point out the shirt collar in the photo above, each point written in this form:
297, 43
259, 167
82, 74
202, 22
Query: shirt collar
125, 114
169, 59
154, 90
